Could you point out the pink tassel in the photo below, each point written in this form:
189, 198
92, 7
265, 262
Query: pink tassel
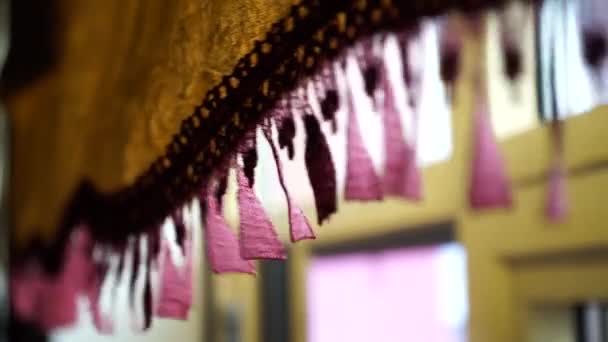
326, 91
362, 182
321, 170
135, 266
153, 250
490, 186
176, 287
557, 199
250, 161
286, 126
117, 283
121, 266
26, 289
370, 59
248, 142
412, 184
401, 174
557, 207
44, 301
51, 301
180, 228
57, 305
102, 323
299, 227
511, 21
412, 69
220, 190
148, 298
258, 238
221, 243
593, 16
450, 51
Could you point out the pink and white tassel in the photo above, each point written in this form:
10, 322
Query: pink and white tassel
490, 186
362, 181
222, 244
401, 173
258, 239
557, 206
299, 227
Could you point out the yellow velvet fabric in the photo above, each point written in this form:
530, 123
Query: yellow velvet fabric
128, 72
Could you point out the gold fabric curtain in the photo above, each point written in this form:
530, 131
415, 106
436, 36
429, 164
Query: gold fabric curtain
126, 73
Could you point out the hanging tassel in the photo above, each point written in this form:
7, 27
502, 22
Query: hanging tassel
511, 21
168, 286
249, 155
299, 227
362, 182
57, 305
490, 186
412, 185
320, 167
221, 188
180, 227
176, 287
57, 301
26, 286
89, 278
401, 174
121, 266
221, 244
593, 18
404, 38
450, 51
512, 59
135, 266
248, 141
411, 75
557, 199
557, 207
329, 108
370, 79
148, 296
595, 48
102, 323
185, 296
51, 302
154, 239
287, 131
258, 238
370, 61
325, 87
115, 286
250, 160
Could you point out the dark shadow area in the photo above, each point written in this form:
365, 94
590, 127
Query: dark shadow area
20, 331
34, 43
274, 294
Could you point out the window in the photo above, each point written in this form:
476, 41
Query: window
408, 293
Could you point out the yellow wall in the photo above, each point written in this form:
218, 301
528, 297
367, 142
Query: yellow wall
516, 258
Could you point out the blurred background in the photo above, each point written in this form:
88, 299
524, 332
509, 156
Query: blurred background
432, 271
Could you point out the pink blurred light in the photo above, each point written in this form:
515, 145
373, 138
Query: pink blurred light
389, 296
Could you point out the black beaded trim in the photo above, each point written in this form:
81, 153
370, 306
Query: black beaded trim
295, 47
